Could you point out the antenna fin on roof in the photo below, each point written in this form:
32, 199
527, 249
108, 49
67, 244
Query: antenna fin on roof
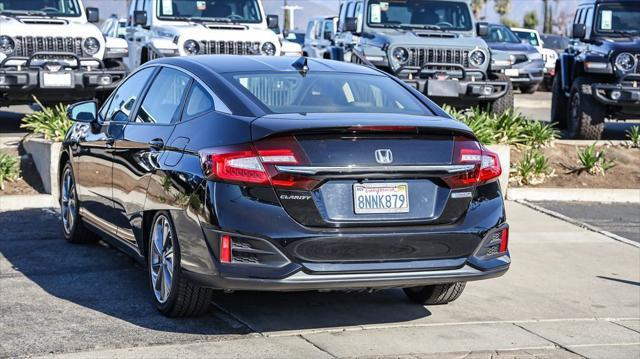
301, 65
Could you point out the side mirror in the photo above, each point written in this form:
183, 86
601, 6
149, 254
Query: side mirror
140, 17
351, 25
579, 31
86, 111
273, 22
482, 29
93, 14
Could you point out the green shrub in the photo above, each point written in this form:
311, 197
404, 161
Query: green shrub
634, 136
51, 122
532, 169
9, 168
593, 161
508, 128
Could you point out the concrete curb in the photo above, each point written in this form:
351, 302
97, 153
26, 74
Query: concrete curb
590, 142
604, 195
20, 202
579, 224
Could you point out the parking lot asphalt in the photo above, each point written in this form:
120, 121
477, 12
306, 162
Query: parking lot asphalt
569, 293
537, 106
618, 218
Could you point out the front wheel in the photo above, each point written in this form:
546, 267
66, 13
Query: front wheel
529, 89
504, 103
586, 115
173, 294
435, 294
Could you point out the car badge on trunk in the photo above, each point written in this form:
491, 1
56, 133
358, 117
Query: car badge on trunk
384, 156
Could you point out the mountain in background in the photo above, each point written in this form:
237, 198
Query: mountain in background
562, 9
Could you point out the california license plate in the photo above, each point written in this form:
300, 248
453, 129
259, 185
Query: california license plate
57, 79
512, 72
371, 198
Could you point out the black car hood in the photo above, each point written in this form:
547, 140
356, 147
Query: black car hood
291, 123
621, 44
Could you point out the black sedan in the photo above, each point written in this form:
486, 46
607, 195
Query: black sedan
282, 174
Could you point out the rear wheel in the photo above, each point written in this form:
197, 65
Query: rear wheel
173, 294
558, 104
73, 228
586, 115
435, 294
504, 103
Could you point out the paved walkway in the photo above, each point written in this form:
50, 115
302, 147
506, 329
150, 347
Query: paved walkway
570, 293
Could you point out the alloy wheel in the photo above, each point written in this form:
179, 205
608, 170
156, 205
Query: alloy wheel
68, 201
162, 259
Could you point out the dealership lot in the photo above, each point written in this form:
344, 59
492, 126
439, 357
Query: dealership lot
56, 298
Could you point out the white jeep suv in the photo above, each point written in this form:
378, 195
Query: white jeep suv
162, 28
52, 50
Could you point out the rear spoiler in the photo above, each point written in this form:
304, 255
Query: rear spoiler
270, 125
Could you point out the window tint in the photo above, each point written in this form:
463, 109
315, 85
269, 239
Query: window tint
162, 103
126, 96
358, 14
199, 101
328, 92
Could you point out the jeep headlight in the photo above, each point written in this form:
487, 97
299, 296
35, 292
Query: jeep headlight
7, 46
477, 58
400, 55
625, 62
268, 48
191, 47
91, 45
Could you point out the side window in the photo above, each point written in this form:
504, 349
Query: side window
162, 104
199, 101
317, 29
358, 14
350, 9
125, 97
342, 16
576, 19
310, 30
328, 30
588, 18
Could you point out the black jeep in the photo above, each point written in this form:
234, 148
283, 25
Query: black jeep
599, 77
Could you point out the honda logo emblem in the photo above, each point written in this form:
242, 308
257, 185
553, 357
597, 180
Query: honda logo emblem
384, 156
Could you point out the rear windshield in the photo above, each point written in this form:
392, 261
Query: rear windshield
328, 92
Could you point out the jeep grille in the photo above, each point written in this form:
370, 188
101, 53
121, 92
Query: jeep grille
28, 45
420, 56
230, 47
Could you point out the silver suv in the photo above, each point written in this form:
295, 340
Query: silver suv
431, 45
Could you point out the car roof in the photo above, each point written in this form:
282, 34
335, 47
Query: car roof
227, 63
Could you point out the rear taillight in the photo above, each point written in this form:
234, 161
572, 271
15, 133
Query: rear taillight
256, 164
469, 152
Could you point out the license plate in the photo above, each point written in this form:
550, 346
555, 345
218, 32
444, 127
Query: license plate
442, 88
381, 198
56, 79
512, 72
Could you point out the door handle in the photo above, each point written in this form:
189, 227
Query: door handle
156, 144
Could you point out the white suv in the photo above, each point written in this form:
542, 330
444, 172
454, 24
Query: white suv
52, 50
162, 28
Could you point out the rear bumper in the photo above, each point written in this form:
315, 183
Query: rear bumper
302, 280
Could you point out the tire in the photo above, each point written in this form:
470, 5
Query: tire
435, 294
177, 297
73, 229
504, 103
529, 89
559, 104
585, 115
